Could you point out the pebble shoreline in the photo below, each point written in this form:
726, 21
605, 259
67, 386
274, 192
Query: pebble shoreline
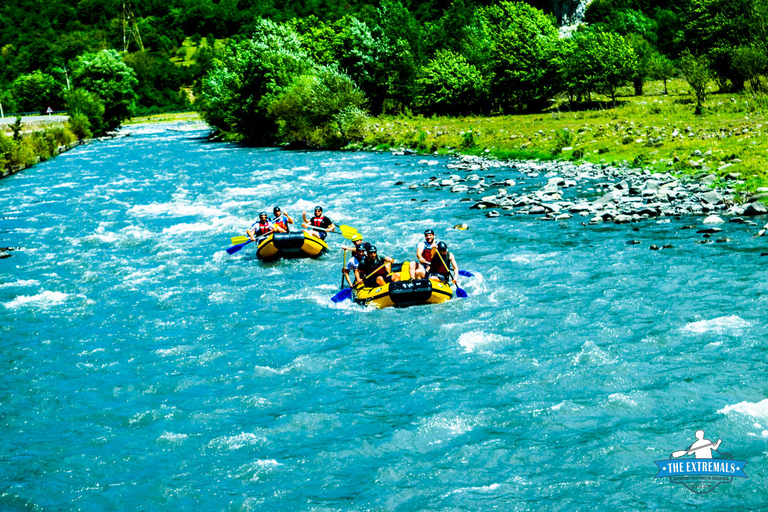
560, 190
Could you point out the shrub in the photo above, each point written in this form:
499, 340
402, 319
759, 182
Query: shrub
314, 108
449, 85
84, 105
80, 126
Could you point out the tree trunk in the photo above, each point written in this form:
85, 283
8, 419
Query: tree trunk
638, 83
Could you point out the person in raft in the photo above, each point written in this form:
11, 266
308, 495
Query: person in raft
357, 241
281, 219
424, 249
318, 221
353, 263
379, 266
263, 227
420, 268
443, 264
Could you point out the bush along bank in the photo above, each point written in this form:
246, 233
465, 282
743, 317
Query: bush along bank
22, 150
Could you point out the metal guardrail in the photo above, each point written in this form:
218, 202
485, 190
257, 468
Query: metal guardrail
34, 114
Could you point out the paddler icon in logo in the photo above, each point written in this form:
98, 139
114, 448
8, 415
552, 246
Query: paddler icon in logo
703, 472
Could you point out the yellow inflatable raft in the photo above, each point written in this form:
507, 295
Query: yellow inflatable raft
290, 245
403, 293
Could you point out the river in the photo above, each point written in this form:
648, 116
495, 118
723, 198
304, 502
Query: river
144, 368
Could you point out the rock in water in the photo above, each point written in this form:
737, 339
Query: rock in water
755, 209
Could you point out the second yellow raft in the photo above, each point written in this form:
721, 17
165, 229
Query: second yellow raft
290, 245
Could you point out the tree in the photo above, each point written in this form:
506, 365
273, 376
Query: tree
750, 62
717, 28
524, 43
598, 61
697, 73
86, 113
108, 78
448, 84
35, 92
661, 68
307, 111
398, 41
246, 76
644, 52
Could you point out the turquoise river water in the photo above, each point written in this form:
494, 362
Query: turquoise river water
144, 368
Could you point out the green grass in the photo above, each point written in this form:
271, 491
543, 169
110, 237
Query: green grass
185, 55
165, 118
637, 132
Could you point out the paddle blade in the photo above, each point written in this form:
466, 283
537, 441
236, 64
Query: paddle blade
342, 295
460, 293
236, 248
347, 231
236, 240
466, 273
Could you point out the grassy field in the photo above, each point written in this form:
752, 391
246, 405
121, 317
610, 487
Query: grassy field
655, 131
165, 118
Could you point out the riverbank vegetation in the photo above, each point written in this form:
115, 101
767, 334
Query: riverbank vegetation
510, 77
18, 149
656, 131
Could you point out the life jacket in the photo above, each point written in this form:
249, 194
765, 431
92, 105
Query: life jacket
366, 267
318, 221
263, 228
437, 266
281, 221
427, 252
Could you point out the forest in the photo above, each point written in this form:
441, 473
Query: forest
310, 72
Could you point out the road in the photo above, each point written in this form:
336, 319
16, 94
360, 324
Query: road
35, 119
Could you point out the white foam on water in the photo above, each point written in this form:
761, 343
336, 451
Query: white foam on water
756, 410
268, 370
172, 438
45, 299
21, 283
720, 325
174, 351
236, 442
66, 185
532, 257
253, 192
484, 488
266, 463
174, 210
622, 398
591, 353
475, 340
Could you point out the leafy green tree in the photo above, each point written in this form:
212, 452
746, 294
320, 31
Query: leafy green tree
108, 78
346, 43
524, 45
598, 61
644, 52
448, 84
697, 73
399, 50
460, 29
308, 109
662, 68
86, 113
718, 28
751, 62
246, 76
35, 92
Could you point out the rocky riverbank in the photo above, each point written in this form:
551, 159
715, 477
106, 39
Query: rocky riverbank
597, 193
